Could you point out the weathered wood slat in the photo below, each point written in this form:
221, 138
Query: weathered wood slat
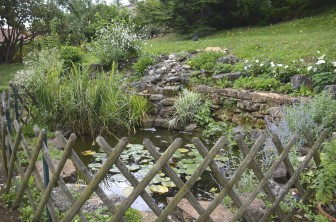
60, 181
258, 172
29, 171
267, 176
194, 177
87, 175
291, 181
54, 177
146, 180
310, 139
37, 176
222, 180
244, 164
130, 177
175, 178
12, 159
288, 164
112, 158
3, 145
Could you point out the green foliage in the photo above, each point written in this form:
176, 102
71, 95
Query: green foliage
322, 79
142, 63
258, 83
224, 83
117, 41
133, 215
314, 114
71, 55
77, 101
325, 180
205, 60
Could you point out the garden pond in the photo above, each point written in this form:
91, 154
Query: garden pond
139, 161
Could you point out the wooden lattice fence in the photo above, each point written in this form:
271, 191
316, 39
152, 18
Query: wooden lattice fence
10, 147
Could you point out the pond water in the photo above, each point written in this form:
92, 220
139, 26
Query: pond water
139, 162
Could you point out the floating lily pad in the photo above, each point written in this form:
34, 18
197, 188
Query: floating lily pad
190, 145
95, 165
133, 167
156, 179
127, 191
183, 150
168, 184
118, 177
159, 189
114, 170
220, 164
100, 155
187, 161
190, 171
88, 152
178, 155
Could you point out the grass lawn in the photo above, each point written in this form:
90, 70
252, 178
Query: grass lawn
6, 73
283, 42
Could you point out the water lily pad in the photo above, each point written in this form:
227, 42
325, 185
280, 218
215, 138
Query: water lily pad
190, 145
183, 150
133, 167
100, 155
159, 189
168, 184
127, 191
88, 152
156, 179
187, 161
178, 155
118, 177
165, 179
114, 170
95, 165
190, 171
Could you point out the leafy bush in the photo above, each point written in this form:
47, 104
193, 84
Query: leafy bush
143, 62
205, 60
322, 79
314, 114
71, 55
258, 83
117, 42
77, 101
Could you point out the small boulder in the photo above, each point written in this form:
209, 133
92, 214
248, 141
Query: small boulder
190, 127
331, 89
230, 76
256, 208
280, 174
298, 80
228, 59
69, 172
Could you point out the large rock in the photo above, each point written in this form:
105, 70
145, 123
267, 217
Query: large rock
298, 80
228, 59
69, 172
275, 187
331, 89
256, 208
280, 174
185, 212
148, 122
230, 76
63, 204
168, 101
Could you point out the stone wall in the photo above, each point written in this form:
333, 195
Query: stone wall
238, 106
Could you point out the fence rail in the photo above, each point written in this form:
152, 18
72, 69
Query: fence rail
12, 164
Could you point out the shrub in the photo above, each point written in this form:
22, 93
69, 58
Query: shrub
143, 62
117, 42
314, 114
71, 55
258, 83
205, 60
322, 79
77, 101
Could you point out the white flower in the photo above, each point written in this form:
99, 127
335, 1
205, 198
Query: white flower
301, 60
320, 62
262, 64
279, 65
334, 63
245, 68
272, 64
246, 61
318, 52
286, 67
321, 57
315, 70
309, 68
257, 61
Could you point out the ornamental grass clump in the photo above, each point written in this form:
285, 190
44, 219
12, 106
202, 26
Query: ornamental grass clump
75, 100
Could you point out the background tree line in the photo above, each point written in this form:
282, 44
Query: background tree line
199, 17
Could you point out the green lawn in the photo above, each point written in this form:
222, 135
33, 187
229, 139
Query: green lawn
6, 73
283, 42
